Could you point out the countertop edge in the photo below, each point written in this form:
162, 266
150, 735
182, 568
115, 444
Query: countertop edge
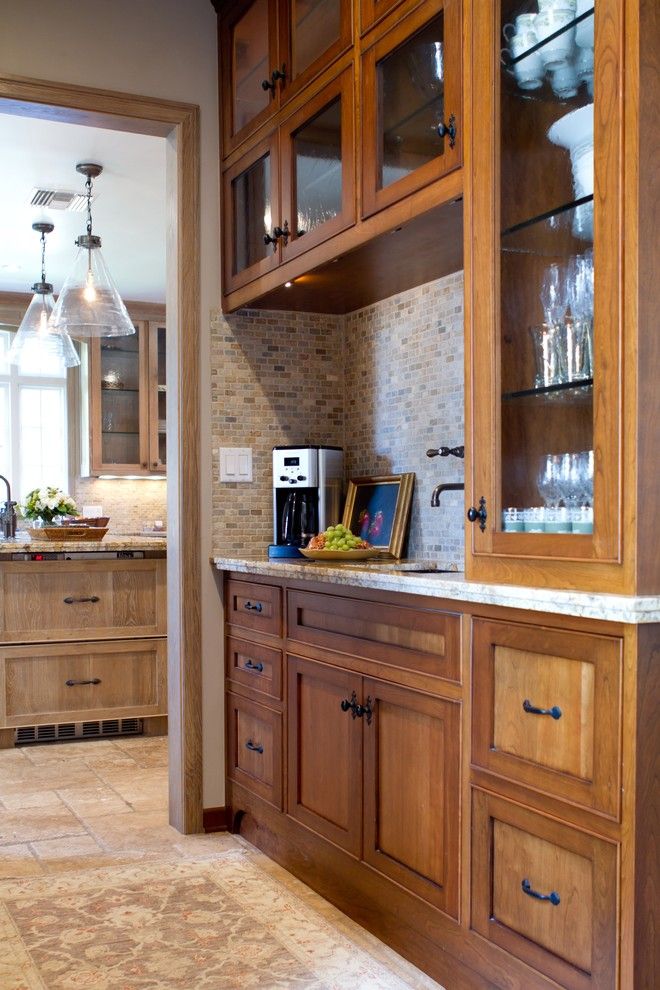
110, 542
635, 610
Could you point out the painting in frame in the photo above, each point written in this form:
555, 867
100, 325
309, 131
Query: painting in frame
378, 509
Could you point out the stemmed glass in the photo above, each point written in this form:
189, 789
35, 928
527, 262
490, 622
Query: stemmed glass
549, 479
580, 299
553, 295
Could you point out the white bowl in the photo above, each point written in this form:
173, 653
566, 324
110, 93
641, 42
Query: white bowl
575, 132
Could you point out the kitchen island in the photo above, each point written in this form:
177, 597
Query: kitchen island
464, 768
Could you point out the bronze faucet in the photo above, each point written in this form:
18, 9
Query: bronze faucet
7, 514
455, 486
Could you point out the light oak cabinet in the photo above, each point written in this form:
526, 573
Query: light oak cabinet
81, 642
127, 396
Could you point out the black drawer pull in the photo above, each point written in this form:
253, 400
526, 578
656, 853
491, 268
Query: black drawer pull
253, 666
554, 712
79, 601
254, 748
72, 683
253, 607
553, 896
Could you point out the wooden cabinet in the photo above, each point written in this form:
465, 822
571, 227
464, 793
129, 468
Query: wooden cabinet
545, 893
294, 188
411, 104
127, 394
551, 289
80, 642
372, 11
254, 748
269, 50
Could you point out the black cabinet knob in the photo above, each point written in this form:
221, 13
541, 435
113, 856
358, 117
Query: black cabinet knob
480, 514
448, 130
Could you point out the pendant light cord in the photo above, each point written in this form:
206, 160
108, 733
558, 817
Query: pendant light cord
88, 186
43, 256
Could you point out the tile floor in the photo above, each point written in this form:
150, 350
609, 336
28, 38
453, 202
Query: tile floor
97, 890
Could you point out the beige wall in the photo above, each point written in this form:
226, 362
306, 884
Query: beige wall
167, 49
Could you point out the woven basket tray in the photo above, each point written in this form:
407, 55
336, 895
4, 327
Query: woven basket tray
69, 534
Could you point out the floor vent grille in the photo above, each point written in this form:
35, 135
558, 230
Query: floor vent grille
78, 731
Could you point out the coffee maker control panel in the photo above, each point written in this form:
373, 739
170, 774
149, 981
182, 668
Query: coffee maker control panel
295, 467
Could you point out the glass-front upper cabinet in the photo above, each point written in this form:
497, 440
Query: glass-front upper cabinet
411, 100
157, 396
544, 276
270, 49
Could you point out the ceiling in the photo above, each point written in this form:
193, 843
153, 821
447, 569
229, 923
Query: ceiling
128, 207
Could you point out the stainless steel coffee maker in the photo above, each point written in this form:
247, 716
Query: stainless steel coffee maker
307, 495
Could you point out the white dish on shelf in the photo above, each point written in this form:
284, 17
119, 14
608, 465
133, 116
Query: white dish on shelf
575, 132
584, 31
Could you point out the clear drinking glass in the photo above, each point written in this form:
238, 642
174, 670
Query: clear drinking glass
546, 354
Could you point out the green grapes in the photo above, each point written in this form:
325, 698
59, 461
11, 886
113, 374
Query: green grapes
340, 538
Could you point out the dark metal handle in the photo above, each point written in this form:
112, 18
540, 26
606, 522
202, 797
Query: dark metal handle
448, 130
253, 666
256, 607
553, 896
276, 74
446, 451
554, 712
272, 240
367, 710
480, 514
254, 748
72, 683
351, 705
79, 601
283, 232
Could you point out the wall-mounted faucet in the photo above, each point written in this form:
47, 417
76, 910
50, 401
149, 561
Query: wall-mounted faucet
455, 486
7, 514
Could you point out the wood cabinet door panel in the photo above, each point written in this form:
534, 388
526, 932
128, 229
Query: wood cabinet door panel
81, 600
405, 637
313, 33
83, 681
412, 791
254, 606
255, 666
572, 751
569, 933
324, 752
372, 11
254, 748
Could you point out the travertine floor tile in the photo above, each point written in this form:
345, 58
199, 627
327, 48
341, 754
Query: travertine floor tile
94, 799
25, 797
33, 824
18, 861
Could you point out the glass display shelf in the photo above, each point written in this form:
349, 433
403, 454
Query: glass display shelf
563, 230
581, 386
113, 391
120, 433
512, 60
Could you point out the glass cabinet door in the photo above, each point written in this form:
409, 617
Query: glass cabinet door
249, 57
252, 226
157, 397
312, 34
552, 363
318, 187
118, 405
411, 98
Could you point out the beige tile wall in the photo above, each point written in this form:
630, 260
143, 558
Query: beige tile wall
385, 382
128, 503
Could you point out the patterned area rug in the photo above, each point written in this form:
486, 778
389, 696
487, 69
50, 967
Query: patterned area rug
227, 921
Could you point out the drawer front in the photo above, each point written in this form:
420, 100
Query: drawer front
90, 680
255, 748
411, 638
547, 710
568, 932
255, 666
254, 606
82, 600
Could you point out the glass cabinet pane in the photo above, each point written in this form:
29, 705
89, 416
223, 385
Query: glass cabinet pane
315, 26
161, 389
251, 214
250, 65
120, 400
546, 266
410, 83
318, 169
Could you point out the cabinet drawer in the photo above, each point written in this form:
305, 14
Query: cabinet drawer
256, 666
411, 638
254, 748
254, 606
570, 934
90, 680
547, 710
81, 600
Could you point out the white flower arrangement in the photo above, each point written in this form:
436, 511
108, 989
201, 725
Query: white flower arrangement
46, 503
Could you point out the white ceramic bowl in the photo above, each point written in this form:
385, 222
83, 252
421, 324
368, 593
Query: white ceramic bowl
575, 132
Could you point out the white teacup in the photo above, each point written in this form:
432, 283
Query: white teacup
564, 81
529, 70
584, 66
523, 24
561, 49
584, 31
570, 5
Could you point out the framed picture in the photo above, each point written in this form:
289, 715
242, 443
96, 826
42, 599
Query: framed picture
378, 509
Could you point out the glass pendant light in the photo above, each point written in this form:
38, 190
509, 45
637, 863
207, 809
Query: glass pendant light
37, 348
89, 304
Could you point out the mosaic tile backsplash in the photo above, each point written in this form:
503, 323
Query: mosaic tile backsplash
384, 382
130, 504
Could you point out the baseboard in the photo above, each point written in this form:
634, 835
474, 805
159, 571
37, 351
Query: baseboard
216, 819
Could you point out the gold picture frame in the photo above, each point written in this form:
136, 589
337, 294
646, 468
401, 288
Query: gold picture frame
378, 509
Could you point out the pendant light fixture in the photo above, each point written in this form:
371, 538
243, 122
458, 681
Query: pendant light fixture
37, 348
89, 304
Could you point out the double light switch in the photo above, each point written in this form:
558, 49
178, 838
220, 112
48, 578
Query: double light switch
235, 463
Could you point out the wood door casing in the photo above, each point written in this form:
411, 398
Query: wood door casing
573, 942
324, 753
577, 756
412, 791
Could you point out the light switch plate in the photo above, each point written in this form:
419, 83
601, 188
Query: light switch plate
235, 464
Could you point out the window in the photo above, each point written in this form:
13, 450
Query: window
34, 444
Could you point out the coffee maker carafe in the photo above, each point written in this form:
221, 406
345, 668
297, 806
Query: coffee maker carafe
307, 495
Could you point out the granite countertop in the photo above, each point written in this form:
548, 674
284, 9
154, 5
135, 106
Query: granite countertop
112, 541
392, 576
